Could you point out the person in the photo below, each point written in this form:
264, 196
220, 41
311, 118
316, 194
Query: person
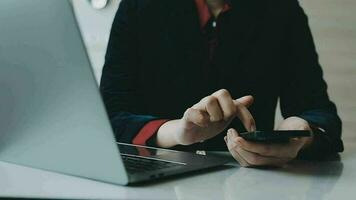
182, 73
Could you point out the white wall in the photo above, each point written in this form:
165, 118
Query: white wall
95, 26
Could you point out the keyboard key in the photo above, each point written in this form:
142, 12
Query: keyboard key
140, 165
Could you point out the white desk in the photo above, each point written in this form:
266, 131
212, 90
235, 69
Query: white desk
300, 180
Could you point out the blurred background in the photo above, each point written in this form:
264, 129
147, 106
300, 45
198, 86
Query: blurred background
333, 23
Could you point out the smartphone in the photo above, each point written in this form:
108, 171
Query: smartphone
274, 136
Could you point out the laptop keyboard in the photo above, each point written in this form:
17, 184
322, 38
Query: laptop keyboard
140, 165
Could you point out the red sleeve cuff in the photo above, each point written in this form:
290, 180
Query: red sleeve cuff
148, 131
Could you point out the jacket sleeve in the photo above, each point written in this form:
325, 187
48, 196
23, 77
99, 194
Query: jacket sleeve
304, 91
119, 82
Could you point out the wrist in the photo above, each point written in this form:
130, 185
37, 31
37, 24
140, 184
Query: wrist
166, 134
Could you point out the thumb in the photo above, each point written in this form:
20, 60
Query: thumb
245, 100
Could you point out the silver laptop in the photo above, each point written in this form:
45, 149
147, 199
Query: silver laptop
51, 113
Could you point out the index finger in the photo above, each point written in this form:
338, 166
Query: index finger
245, 116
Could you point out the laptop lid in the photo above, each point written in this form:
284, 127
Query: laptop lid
51, 113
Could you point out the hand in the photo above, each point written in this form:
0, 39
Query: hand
257, 154
206, 119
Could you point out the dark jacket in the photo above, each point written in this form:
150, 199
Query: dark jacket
156, 67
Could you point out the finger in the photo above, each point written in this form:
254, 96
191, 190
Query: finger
231, 147
258, 160
230, 136
284, 151
226, 103
211, 105
245, 116
246, 100
239, 158
198, 117
213, 108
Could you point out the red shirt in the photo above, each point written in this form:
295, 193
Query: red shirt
205, 15
204, 11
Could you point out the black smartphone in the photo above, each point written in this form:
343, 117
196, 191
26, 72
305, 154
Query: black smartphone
274, 136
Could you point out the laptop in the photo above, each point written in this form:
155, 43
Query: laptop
51, 113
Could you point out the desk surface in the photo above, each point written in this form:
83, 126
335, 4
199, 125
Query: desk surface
299, 180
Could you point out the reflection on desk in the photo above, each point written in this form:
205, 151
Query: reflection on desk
299, 180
